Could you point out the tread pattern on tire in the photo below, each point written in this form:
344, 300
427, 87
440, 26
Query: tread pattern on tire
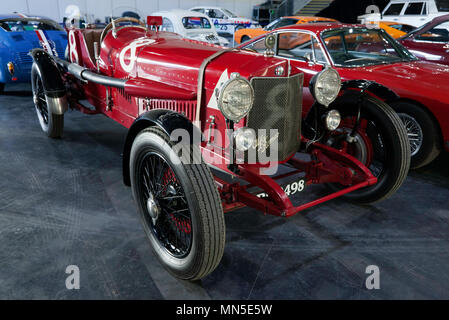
56, 129
401, 143
405, 146
55, 126
211, 218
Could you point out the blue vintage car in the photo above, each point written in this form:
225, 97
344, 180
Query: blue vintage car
18, 35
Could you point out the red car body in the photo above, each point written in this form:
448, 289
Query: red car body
421, 82
431, 41
157, 82
168, 71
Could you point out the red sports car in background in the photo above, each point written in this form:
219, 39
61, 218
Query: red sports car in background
431, 41
416, 89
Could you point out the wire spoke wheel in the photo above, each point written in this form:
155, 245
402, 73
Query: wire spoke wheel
164, 201
414, 132
179, 206
51, 123
423, 132
40, 101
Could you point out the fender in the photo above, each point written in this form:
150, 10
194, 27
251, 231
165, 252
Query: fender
381, 92
52, 81
167, 120
357, 88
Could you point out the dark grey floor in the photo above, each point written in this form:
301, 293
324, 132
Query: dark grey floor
62, 202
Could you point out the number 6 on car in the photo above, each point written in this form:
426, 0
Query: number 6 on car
167, 86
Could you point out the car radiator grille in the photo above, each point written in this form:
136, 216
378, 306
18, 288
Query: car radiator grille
278, 105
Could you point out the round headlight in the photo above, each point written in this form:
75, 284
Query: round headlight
325, 86
245, 138
332, 119
236, 98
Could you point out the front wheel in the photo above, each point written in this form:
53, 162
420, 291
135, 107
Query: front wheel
52, 124
378, 140
2, 88
180, 207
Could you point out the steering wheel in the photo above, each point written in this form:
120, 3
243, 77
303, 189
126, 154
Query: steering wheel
114, 22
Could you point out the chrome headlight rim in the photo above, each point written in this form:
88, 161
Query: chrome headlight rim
332, 120
314, 85
245, 133
231, 117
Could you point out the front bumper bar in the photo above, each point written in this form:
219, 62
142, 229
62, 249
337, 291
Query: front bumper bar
328, 165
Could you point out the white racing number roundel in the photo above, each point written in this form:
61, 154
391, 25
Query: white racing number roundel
127, 63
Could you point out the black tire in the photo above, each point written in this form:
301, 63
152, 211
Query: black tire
244, 39
390, 150
423, 133
2, 88
51, 124
194, 250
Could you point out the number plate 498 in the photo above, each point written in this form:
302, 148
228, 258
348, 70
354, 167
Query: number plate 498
290, 189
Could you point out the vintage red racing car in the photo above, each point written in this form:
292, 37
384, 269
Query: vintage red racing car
192, 109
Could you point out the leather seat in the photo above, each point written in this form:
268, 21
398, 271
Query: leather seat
91, 36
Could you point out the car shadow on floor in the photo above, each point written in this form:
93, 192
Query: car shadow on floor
18, 90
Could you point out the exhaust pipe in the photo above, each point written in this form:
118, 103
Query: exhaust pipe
138, 87
85, 74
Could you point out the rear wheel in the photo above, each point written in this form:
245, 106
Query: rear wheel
2, 87
423, 133
51, 124
379, 141
179, 205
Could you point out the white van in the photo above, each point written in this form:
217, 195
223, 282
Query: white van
412, 12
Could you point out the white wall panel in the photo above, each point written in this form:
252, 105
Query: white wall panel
11, 6
243, 8
187, 4
228, 4
149, 6
55, 9
120, 6
49, 8
169, 4
100, 9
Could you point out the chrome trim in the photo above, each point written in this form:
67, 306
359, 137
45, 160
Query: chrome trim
428, 41
234, 77
314, 35
57, 106
201, 79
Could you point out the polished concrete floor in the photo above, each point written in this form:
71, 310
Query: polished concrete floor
62, 202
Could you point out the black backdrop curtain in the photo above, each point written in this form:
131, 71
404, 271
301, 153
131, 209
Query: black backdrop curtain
348, 10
